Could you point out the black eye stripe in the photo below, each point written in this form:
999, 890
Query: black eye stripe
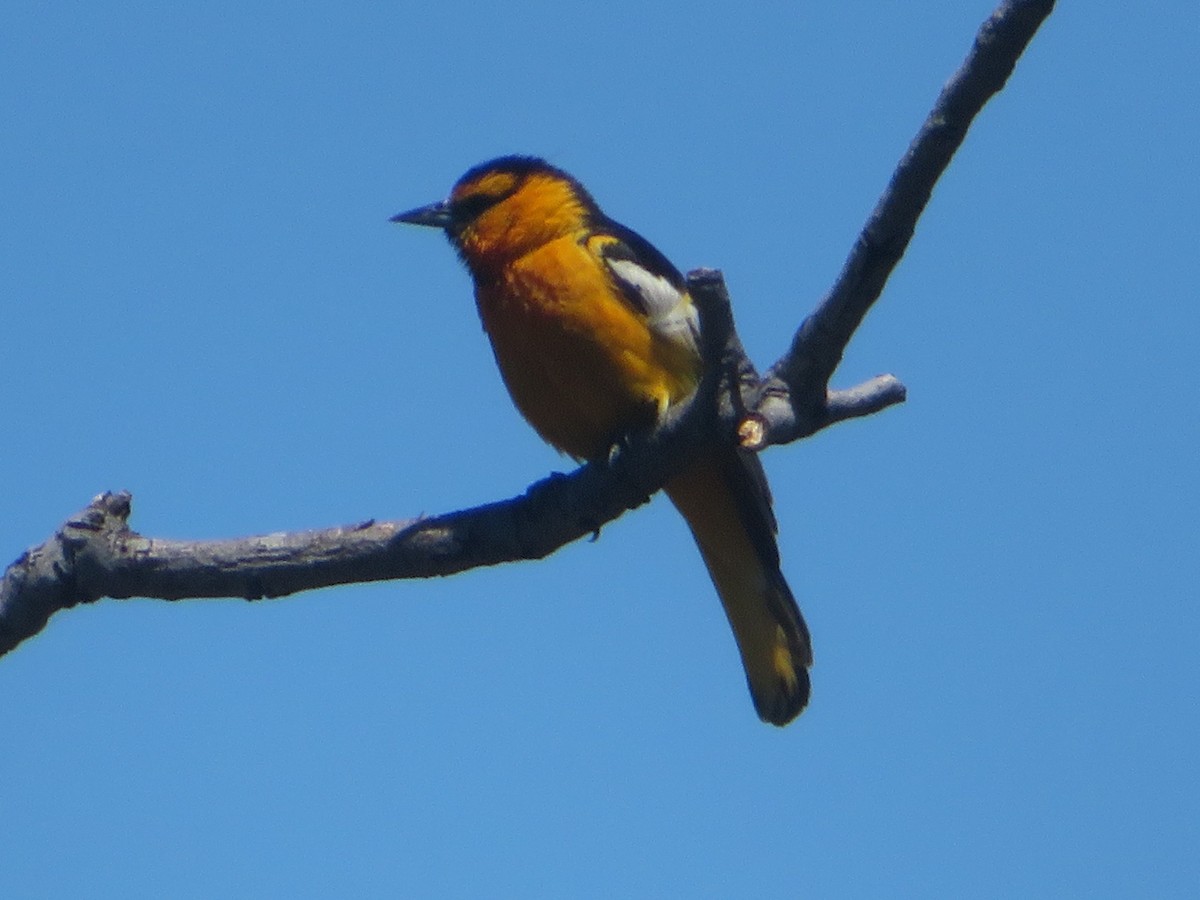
468, 208
474, 205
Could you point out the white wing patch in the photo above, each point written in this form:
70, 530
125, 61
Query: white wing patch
659, 297
669, 311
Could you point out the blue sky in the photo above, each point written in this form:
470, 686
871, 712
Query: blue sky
206, 305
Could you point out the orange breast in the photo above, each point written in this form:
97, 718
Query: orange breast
582, 366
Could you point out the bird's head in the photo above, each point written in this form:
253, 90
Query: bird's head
502, 209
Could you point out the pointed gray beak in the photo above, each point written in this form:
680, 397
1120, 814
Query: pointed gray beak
435, 215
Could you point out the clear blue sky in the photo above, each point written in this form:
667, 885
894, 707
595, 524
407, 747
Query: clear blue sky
204, 304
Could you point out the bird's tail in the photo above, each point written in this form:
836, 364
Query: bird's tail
726, 502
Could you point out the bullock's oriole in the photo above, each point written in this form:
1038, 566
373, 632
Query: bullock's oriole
596, 336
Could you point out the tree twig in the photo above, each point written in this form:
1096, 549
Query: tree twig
794, 400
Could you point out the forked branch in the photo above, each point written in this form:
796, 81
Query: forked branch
95, 554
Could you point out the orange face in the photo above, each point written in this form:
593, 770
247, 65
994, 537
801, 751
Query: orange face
501, 215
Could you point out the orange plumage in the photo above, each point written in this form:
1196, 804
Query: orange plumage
595, 336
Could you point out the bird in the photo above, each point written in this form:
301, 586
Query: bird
596, 337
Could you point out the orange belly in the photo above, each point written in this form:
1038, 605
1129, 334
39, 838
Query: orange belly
581, 365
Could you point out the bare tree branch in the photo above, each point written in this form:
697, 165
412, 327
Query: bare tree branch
95, 554
794, 399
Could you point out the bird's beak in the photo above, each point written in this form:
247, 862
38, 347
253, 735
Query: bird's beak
435, 215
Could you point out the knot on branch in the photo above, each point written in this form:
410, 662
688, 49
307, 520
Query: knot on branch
52, 576
97, 530
108, 512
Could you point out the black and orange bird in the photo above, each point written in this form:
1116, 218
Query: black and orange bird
596, 337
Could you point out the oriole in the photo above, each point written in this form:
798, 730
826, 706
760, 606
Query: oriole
596, 336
